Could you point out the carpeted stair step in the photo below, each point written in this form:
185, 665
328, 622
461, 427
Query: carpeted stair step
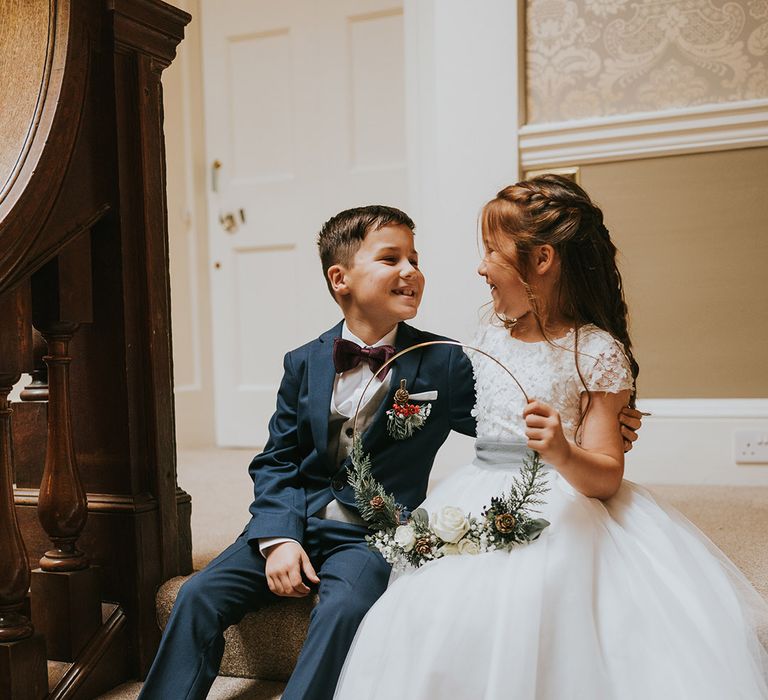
264, 645
223, 688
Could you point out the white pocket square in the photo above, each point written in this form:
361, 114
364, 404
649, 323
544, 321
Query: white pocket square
424, 396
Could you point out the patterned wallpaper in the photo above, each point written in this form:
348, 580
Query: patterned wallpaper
590, 58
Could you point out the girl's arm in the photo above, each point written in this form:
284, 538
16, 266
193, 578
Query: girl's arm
596, 467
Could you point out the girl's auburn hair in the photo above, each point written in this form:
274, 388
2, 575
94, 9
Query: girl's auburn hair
551, 209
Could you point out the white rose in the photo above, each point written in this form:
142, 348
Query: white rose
405, 537
468, 547
450, 524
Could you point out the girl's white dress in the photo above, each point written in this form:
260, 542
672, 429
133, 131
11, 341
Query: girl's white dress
616, 600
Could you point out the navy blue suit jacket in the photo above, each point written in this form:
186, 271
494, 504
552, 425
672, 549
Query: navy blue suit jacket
295, 477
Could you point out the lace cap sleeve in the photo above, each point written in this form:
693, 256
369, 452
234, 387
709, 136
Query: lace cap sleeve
602, 362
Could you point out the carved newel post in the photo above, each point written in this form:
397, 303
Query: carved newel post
62, 506
23, 672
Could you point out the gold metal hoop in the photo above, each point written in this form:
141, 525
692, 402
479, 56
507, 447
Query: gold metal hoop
424, 345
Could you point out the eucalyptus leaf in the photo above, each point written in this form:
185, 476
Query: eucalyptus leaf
420, 517
536, 527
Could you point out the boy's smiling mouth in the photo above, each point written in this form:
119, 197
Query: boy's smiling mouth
408, 292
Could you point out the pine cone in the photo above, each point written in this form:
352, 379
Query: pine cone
377, 503
505, 523
423, 546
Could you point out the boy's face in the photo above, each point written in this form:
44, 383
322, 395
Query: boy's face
383, 283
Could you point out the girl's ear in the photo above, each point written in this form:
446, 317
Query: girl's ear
543, 258
337, 276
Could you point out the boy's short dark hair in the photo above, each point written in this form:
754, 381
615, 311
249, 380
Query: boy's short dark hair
341, 236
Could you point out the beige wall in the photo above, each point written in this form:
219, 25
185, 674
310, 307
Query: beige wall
187, 226
693, 233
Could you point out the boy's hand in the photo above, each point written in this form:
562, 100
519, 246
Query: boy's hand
631, 421
285, 563
545, 432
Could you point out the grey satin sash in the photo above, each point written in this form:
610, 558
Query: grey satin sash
500, 454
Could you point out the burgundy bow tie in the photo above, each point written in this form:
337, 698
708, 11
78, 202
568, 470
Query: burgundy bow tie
348, 355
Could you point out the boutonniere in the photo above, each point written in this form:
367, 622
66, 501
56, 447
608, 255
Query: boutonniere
404, 418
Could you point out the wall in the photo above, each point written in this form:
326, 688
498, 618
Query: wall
692, 234
694, 251
187, 230
603, 57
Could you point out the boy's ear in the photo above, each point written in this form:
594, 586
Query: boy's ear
543, 259
337, 276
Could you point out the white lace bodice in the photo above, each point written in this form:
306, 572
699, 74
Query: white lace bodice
547, 371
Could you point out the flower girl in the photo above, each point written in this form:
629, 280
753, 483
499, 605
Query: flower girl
620, 597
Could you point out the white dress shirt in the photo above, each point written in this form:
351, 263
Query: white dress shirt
347, 388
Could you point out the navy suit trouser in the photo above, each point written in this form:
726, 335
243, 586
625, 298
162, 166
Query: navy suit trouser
352, 577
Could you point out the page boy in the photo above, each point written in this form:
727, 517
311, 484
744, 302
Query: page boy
304, 530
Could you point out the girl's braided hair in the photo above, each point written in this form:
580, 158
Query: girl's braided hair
551, 209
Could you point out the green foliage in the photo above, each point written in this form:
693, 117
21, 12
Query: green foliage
524, 493
403, 427
378, 508
527, 490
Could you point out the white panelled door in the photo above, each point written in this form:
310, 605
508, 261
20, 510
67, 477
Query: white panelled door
305, 116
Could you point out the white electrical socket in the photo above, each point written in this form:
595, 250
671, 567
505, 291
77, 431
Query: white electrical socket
750, 447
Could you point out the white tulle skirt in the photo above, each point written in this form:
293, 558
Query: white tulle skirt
616, 600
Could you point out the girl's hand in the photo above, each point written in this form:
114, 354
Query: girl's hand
545, 432
631, 421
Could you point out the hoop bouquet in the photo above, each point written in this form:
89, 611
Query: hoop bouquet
414, 538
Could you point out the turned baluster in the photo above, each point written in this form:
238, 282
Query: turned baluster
62, 505
65, 599
23, 673
14, 572
37, 389
30, 421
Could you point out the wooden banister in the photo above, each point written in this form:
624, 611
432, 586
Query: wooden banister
82, 201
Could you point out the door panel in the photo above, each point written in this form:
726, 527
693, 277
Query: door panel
305, 116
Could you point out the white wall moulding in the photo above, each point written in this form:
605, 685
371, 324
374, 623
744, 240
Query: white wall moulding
705, 408
714, 127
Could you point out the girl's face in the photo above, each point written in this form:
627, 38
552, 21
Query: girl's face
509, 292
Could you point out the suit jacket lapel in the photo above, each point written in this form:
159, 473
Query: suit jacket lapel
405, 367
320, 381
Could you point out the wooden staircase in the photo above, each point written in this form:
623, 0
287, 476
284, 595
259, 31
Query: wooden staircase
92, 521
